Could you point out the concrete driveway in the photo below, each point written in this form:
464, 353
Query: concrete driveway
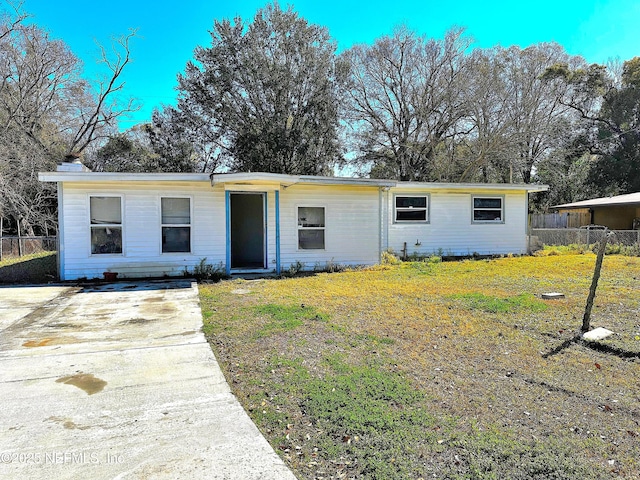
118, 381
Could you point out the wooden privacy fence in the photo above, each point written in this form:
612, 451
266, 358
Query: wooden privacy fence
560, 220
19, 246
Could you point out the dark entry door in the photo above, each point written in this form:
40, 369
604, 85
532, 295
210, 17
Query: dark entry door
247, 230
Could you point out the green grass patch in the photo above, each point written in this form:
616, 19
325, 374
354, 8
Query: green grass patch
367, 414
487, 303
283, 318
438, 370
375, 340
490, 454
359, 400
36, 268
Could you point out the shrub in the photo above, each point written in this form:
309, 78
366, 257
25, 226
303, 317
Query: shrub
389, 258
293, 269
206, 271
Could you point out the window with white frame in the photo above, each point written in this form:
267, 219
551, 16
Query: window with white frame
311, 228
176, 224
106, 225
412, 208
488, 209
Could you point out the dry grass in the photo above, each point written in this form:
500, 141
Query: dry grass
438, 370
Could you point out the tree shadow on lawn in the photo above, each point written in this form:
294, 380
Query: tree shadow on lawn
35, 270
597, 346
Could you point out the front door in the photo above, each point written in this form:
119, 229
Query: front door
247, 230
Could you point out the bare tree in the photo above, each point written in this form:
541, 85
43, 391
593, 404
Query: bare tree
405, 99
486, 147
517, 117
105, 109
47, 111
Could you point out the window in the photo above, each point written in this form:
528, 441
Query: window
106, 225
311, 228
412, 209
176, 224
488, 209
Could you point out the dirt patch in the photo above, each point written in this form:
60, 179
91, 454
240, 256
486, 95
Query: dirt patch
138, 321
62, 325
164, 308
68, 423
45, 342
154, 299
84, 381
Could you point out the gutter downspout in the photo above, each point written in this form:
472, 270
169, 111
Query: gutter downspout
527, 228
386, 218
383, 224
227, 213
277, 232
380, 225
61, 250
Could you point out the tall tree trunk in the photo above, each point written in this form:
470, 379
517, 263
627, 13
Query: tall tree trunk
586, 320
19, 238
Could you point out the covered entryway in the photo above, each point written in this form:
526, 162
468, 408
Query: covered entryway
247, 230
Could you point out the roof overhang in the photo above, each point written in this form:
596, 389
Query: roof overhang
630, 199
235, 181
466, 187
289, 180
100, 177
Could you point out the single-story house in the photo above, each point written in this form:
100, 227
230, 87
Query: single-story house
156, 224
621, 212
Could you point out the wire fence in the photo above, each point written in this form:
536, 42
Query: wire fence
581, 236
20, 246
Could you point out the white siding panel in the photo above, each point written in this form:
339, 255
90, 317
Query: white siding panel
142, 255
351, 225
451, 230
354, 233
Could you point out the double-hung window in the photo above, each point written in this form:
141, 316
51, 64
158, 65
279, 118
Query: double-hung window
412, 208
311, 228
176, 224
488, 209
106, 225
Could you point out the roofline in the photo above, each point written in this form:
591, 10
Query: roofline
275, 178
531, 188
614, 201
249, 177
95, 177
578, 205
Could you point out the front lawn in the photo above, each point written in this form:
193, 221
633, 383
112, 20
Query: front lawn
34, 268
438, 370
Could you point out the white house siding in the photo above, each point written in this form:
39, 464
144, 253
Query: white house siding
352, 225
450, 230
355, 229
142, 255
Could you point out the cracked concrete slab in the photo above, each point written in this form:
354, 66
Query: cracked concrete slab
118, 381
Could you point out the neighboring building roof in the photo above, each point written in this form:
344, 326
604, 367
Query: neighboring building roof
618, 200
258, 178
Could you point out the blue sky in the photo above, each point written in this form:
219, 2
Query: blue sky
170, 30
